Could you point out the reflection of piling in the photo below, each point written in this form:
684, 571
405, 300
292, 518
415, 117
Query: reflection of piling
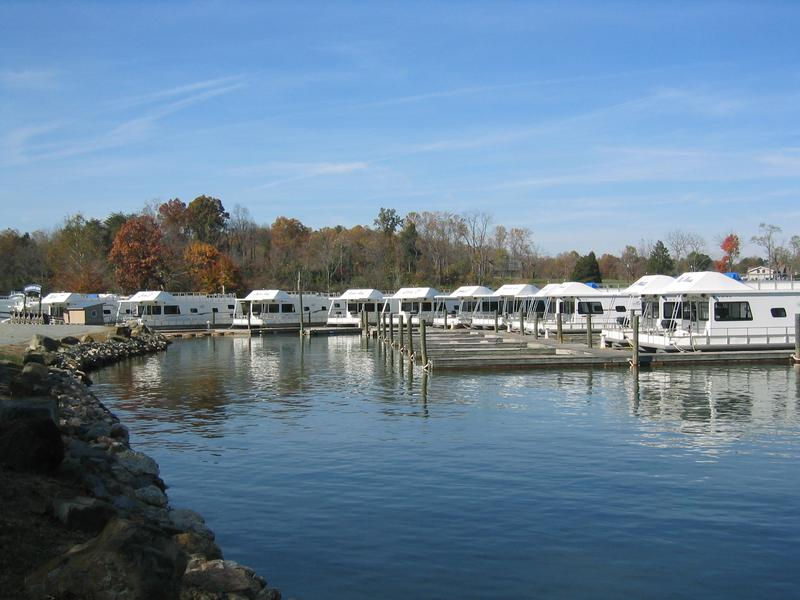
559, 329
589, 330
635, 357
423, 343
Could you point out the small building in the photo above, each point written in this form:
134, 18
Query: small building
760, 273
84, 315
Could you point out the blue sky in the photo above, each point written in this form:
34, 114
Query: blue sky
594, 124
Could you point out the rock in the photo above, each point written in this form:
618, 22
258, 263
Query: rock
87, 338
34, 372
70, 340
151, 495
45, 407
122, 331
86, 514
127, 560
33, 356
42, 341
32, 444
119, 432
187, 520
220, 577
200, 545
137, 463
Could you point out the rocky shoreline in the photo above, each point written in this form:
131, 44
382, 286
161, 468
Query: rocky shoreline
136, 545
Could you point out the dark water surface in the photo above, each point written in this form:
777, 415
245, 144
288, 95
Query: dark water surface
336, 475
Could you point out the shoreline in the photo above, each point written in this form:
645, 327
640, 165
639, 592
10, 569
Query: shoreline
100, 504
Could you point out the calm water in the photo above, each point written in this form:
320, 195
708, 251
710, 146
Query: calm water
337, 475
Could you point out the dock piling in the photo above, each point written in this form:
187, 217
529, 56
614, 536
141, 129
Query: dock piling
410, 348
796, 356
589, 330
559, 329
400, 330
445, 318
391, 329
496, 328
535, 325
635, 358
423, 343
522, 321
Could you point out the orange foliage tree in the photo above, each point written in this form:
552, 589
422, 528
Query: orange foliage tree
138, 254
730, 249
209, 269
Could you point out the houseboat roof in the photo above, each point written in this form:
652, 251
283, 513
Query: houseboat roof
266, 295
468, 291
570, 289
516, 289
61, 297
419, 292
704, 282
361, 294
648, 284
547, 289
151, 296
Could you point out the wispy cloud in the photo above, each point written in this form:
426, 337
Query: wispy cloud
151, 97
287, 172
28, 79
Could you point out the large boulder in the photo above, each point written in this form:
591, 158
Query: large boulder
84, 513
23, 407
221, 579
31, 444
70, 340
127, 560
42, 341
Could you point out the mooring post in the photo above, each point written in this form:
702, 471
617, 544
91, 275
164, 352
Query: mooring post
410, 349
559, 329
535, 325
521, 321
589, 330
496, 328
445, 317
391, 329
635, 359
423, 343
797, 338
400, 330
302, 326
362, 321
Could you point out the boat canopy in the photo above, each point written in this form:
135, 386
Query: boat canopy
361, 294
152, 296
267, 296
412, 293
470, 291
572, 289
516, 289
647, 285
704, 282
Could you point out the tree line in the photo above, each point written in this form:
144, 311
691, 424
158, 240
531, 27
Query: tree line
201, 246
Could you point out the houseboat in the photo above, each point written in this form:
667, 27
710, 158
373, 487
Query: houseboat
458, 306
507, 300
571, 300
412, 303
168, 310
57, 304
346, 309
710, 311
277, 308
27, 301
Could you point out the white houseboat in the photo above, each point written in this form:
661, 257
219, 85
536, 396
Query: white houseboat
346, 309
26, 301
507, 300
459, 306
56, 304
413, 304
571, 300
710, 311
276, 308
161, 309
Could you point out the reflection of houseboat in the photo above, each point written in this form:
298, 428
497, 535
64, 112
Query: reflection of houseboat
710, 311
57, 304
459, 305
276, 308
412, 303
178, 309
573, 301
507, 301
346, 309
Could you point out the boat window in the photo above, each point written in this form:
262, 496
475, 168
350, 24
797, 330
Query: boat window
215, 310
619, 308
407, 307
273, 308
305, 308
650, 309
673, 310
567, 306
584, 308
778, 313
157, 310
369, 307
427, 306
287, 308
256, 309
231, 307
193, 311
106, 311
352, 307
732, 311
337, 305
172, 309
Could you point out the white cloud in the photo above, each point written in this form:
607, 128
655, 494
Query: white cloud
28, 79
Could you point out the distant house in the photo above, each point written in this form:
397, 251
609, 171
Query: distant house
763, 273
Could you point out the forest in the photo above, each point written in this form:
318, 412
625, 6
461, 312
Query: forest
201, 246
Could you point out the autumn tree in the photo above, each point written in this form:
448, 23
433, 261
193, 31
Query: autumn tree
210, 270
632, 264
77, 256
138, 254
730, 249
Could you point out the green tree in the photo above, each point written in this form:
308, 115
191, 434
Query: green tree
587, 269
206, 219
660, 262
409, 252
388, 221
697, 261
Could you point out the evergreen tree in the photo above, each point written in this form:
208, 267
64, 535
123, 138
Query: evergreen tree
587, 270
660, 262
697, 261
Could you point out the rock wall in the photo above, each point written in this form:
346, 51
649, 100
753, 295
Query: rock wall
143, 547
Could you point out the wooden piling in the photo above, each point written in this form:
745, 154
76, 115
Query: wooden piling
445, 318
400, 330
496, 328
521, 321
302, 325
589, 330
535, 325
410, 348
635, 358
559, 329
797, 338
423, 343
391, 329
